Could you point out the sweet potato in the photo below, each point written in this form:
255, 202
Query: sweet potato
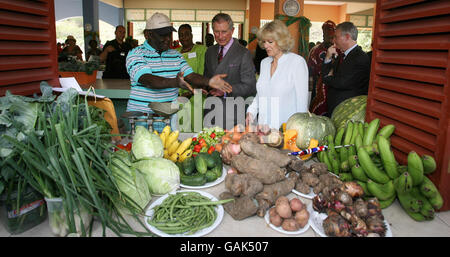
242, 207
270, 193
266, 153
267, 172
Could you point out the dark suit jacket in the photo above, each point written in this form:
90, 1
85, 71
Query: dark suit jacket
240, 70
350, 78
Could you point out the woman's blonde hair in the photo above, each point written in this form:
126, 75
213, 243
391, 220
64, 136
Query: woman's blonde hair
277, 31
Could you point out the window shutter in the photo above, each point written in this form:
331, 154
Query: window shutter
409, 81
28, 53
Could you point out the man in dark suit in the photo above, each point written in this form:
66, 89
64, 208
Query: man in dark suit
229, 57
345, 75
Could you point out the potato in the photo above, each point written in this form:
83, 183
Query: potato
282, 199
284, 210
302, 217
274, 218
296, 204
290, 225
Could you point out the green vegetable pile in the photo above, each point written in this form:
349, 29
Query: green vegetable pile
201, 169
212, 140
185, 212
79, 66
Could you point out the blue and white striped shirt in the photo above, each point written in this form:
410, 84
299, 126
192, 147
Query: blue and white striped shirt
144, 59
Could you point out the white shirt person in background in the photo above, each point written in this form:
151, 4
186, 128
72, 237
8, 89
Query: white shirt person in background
282, 87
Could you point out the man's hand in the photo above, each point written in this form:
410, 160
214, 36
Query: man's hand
216, 92
217, 82
182, 83
330, 52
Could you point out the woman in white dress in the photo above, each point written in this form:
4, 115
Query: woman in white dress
282, 87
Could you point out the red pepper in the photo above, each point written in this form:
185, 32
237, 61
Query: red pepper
201, 141
194, 139
128, 146
197, 148
211, 149
212, 135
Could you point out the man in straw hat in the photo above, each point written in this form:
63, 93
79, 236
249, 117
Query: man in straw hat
157, 72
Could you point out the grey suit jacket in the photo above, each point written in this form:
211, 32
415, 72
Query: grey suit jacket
238, 64
240, 70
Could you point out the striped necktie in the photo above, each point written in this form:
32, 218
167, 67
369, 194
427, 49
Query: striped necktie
220, 57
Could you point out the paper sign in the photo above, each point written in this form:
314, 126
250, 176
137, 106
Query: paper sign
71, 82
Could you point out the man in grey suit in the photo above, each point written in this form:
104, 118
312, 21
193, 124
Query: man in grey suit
229, 57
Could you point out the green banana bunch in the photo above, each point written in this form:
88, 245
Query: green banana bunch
403, 183
429, 164
381, 191
415, 168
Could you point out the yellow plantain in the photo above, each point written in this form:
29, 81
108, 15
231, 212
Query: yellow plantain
174, 146
185, 155
172, 137
183, 146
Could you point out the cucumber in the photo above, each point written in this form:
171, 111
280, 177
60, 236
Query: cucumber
217, 159
210, 176
188, 166
198, 179
217, 170
200, 164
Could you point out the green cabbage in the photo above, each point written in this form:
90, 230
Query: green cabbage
130, 181
162, 175
146, 144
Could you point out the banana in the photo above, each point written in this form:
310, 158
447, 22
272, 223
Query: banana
361, 129
183, 146
370, 169
185, 155
334, 165
427, 188
372, 149
174, 157
155, 132
409, 202
364, 187
344, 167
429, 164
327, 161
386, 203
355, 133
166, 130
358, 173
166, 154
343, 154
320, 156
385, 132
415, 168
417, 216
339, 135
403, 183
171, 138
163, 137
387, 157
174, 146
358, 142
381, 191
427, 209
402, 168
352, 160
348, 133
332, 155
346, 177
369, 136
436, 201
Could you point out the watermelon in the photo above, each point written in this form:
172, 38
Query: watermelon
352, 109
310, 126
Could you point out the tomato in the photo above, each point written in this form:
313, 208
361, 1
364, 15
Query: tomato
128, 146
212, 135
197, 148
201, 141
211, 149
194, 139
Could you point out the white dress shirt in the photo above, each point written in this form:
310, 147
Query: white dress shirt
283, 94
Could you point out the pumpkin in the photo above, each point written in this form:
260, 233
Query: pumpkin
290, 140
313, 143
309, 126
352, 109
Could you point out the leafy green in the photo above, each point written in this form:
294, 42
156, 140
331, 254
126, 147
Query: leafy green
162, 175
79, 66
146, 144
